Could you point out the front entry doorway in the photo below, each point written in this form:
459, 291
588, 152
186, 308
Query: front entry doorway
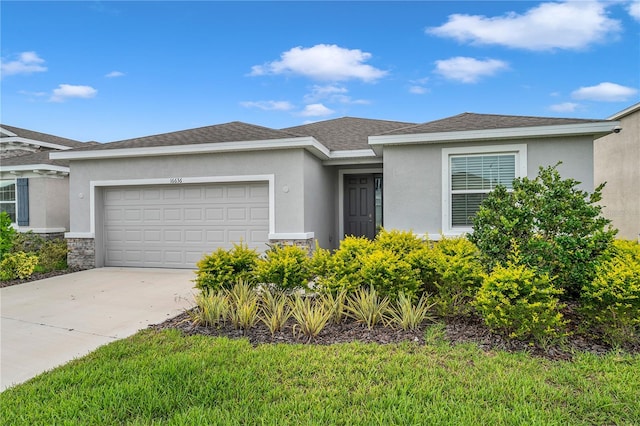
362, 205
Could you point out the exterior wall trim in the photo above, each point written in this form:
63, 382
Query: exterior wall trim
292, 236
521, 169
341, 174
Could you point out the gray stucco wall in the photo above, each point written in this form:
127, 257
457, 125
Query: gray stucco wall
49, 203
617, 162
413, 176
319, 201
286, 165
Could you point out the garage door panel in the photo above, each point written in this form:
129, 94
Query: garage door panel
175, 226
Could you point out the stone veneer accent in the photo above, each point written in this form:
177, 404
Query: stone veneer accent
81, 253
308, 244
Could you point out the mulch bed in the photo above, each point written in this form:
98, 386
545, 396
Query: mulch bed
459, 330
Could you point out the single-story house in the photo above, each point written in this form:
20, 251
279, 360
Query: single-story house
34, 189
617, 162
165, 200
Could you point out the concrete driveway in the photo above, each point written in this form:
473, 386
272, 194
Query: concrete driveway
49, 322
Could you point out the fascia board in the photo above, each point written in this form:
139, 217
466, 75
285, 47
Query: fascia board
597, 128
308, 143
30, 167
6, 132
625, 112
14, 139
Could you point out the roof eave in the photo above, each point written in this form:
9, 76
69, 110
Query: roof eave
351, 157
596, 129
41, 169
625, 112
308, 143
31, 142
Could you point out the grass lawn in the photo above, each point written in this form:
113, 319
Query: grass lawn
165, 378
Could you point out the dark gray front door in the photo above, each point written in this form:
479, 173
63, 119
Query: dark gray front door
359, 206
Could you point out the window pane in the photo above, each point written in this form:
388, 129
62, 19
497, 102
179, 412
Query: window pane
482, 172
7, 190
464, 207
10, 208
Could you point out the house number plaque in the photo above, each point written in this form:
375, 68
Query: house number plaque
175, 180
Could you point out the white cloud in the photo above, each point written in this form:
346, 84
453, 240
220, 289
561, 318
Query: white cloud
114, 74
316, 110
634, 10
268, 105
323, 62
566, 25
324, 92
418, 90
606, 92
27, 63
331, 93
66, 91
564, 107
469, 70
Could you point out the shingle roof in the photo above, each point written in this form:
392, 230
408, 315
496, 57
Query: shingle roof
346, 133
472, 121
42, 137
35, 158
235, 131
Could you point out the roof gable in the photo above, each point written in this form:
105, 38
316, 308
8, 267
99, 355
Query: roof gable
346, 133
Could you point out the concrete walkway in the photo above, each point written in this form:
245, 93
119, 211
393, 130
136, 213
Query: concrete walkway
49, 322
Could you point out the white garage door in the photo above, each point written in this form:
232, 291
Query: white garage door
174, 226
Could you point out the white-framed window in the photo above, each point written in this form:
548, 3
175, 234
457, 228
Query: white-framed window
8, 198
470, 174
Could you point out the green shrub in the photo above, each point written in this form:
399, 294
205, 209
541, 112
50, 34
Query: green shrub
286, 267
521, 303
343, 268
367, 307
53, 255
222, 268
275, 310
7, 234
457, 275
212, 309
558, 227
311, 316
408, 315
28, 242
319, 262
243, 305
388, 274
401, 243
18, 265
611, 302
422, 263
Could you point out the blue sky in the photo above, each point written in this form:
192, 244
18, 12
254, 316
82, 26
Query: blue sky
115, 70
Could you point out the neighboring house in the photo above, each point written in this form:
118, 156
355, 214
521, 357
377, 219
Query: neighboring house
617, 162
34, 190
165, 200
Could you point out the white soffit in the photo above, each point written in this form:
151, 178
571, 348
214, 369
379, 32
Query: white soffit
592, 128
24, 141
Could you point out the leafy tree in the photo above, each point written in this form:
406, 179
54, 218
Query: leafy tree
558, 227
7, 234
